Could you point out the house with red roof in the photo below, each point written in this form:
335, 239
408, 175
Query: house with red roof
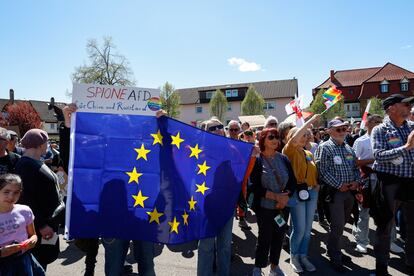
359, 85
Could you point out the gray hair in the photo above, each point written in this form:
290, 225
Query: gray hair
233, 122
269, 119
212, 120
4, 134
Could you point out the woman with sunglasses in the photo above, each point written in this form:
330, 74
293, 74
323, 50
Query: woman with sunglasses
306, 195
273, 182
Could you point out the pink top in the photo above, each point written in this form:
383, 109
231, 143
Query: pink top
13, 224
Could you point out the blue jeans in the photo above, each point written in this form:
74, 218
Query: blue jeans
144, 255
116, 251
206, 252
302, 217
361, 230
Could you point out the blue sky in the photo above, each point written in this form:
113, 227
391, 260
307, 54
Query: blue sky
190, 43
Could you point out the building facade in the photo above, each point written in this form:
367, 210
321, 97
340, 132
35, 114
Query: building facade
359, 85
50, 113
194, 102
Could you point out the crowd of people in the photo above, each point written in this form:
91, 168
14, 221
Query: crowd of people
337, 174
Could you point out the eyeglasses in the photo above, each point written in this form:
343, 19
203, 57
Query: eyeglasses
342, 129
234, 129
248, 133
271, 137
214, 128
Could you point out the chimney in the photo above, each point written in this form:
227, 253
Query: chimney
11, 96
51, 103
332, 76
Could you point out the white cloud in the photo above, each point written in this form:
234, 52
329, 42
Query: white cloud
406, 47
244, 65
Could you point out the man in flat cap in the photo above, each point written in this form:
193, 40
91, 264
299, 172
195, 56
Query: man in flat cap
393, 149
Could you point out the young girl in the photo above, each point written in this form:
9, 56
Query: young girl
17, 232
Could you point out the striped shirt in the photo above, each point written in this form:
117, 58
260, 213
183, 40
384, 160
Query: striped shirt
336, 163
388, 142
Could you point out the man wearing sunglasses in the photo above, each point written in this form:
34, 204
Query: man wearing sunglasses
336, 162
393, 148
234, 129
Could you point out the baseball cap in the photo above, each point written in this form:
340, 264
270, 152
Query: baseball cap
337, 123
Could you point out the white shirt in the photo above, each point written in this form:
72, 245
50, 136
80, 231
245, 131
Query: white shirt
363, 149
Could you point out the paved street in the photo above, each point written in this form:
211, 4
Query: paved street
182, 259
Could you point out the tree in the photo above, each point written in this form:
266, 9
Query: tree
170, 100
253, 103
106, 66
318, 106
376, 106
218, 105
23, 115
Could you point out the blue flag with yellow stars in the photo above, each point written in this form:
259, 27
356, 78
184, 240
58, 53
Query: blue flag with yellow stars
143, 178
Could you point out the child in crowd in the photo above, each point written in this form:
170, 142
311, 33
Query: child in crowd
18, 234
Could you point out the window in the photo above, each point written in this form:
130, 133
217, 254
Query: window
384, 86
351, 91
404, 85
52, 126
230, 93
199, 109
209, 94
269, 105
229, 107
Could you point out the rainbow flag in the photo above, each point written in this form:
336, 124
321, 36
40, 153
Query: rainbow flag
329, 104
332, 94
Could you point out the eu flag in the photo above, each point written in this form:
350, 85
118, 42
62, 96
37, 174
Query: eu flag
143, 178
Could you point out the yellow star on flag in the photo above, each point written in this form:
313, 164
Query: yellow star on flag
202, 188
192, 203
133, 176
142, 152
157, 138
139, 199
174, 225
203, 168
195, 151
176, 140
155, 216
185, 218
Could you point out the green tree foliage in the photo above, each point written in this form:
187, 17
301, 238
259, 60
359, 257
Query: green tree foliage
218, 105
253, 103
170, 100
376, 106
318, 106
105, 66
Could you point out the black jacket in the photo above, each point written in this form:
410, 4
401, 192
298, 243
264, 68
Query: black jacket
40, 191
256, 178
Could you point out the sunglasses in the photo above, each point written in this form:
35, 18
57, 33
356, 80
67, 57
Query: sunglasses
272, 124
272, 137
234, 129
214, 128
342, 129
248, 133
